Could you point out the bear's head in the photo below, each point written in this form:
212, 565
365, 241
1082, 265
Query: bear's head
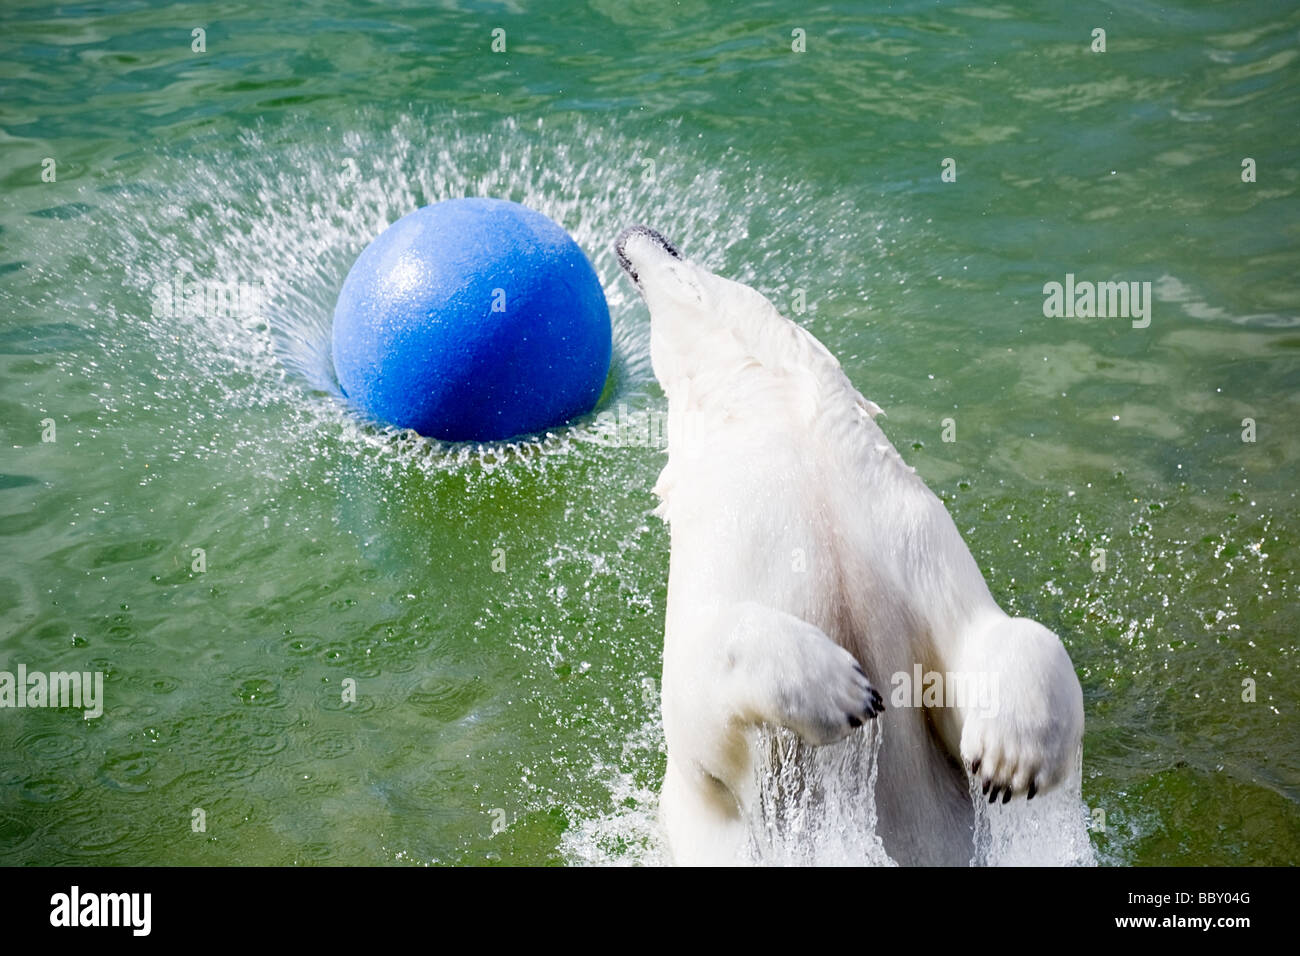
701, 325
726, 346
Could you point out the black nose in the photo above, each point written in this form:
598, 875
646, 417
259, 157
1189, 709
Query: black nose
654, 234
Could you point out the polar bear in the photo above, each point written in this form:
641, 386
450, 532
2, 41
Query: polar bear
809, 567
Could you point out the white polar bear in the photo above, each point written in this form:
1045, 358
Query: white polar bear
809, 562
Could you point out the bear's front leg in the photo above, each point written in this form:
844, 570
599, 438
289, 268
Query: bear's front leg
1022, 738
779, 669
728, 669
736, 666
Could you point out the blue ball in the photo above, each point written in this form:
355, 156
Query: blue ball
472, 320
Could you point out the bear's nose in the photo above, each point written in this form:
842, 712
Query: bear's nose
654, 235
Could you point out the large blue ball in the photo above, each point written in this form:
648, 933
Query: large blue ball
472, 320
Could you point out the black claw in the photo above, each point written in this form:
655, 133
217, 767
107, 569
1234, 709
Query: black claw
1006, 794
975, 766
1033, 789
993, 795
986, 785
854, 722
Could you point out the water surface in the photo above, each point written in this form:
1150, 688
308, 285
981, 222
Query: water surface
511, 716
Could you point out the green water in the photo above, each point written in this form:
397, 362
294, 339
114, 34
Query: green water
504, 715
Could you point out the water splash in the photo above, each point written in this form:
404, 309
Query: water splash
1050, 830
287, 209
816, 806
629, 834
289, 214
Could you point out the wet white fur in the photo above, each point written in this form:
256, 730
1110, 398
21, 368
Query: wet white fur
775, 462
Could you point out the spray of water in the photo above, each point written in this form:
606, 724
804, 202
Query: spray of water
287, 209
816, 806
1052, 830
